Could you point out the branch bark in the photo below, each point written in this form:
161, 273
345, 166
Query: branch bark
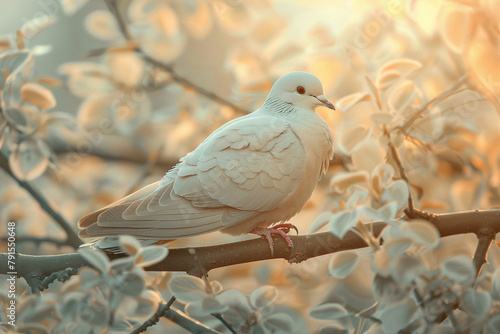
217, 256
485, 237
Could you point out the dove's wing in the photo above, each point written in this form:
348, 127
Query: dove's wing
245, 168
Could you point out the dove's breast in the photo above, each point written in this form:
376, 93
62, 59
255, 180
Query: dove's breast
317, 142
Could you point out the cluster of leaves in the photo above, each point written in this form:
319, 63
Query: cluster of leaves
110, 296
415, 285
26, 105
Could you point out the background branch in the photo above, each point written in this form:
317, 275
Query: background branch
217, 256
72, 236
113, 8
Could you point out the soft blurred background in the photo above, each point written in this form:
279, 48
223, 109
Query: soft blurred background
87, 120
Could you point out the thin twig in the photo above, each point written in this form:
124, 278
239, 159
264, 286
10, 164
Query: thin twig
192, 325
112, 5
485, 238
443, 95
402, 173
224, 322
72, 237
162, 309
61, 276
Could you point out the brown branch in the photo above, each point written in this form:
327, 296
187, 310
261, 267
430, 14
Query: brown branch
485, 238
72, 236
217, 256
112, 5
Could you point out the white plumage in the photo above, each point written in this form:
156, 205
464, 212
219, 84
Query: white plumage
256, 170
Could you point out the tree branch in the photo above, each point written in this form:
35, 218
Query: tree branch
113, 8
188, 323
72, 236
217, 256
162, 309
485, 237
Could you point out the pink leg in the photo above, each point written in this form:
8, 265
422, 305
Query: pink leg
279, 229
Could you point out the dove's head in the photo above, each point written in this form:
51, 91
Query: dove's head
300, 89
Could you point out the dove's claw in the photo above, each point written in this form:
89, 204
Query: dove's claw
286, 227
280, 229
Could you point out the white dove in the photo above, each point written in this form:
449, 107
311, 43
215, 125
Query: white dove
252, 172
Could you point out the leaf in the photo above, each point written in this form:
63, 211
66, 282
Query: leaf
398, 246
263, 296
129, 244
70, 7
385, 213
349, 101
216, 287
402, 96
50, 81
493, 325
342, 222
151, 255
187, 288
398, 316
12, 62
334, 329
320, 222
198, 22
398, 192
459, 268
476, 303
89, 278
387, 79
279, 322
342, 264
422, 232
28, 160
329, 311
393, 70
353, 138
369, 311
19, 119
495, 285
38, 95
342, 181
135, 68
406, 269
133, 284
457, 26
102, 25
95, 258
382, 118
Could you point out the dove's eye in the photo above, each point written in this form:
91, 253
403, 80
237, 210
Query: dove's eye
301, 90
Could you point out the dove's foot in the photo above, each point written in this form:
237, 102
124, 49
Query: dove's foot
279, 229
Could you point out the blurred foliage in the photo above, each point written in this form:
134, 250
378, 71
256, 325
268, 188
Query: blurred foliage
416, 85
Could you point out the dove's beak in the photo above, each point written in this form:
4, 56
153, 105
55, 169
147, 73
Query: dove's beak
325, 101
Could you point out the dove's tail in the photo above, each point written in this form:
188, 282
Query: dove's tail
112, 244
